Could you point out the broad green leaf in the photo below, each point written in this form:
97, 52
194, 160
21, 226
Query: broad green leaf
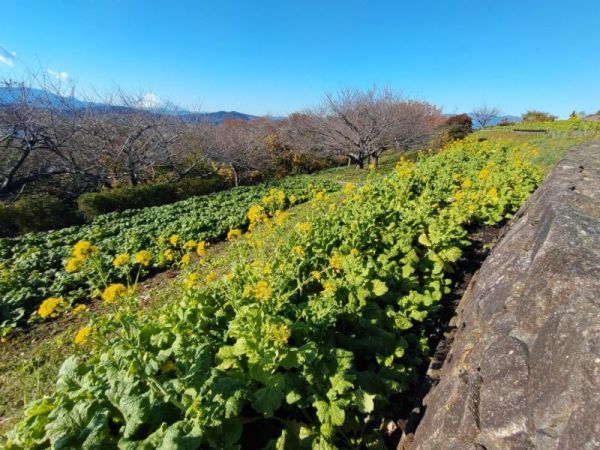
365, 401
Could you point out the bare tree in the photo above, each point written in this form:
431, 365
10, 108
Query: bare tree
40, 126
240, 145
136, 143
484, 115
362, 124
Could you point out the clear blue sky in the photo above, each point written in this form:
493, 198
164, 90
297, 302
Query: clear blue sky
274, 57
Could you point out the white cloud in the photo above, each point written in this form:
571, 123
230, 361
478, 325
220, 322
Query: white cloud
150, 100
7, 57
61, 76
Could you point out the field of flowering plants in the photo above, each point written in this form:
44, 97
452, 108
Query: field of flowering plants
32, 267
296, 345
558, 126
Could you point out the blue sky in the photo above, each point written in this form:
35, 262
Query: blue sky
275, 57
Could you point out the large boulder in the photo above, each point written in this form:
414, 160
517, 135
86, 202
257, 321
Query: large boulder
523, 371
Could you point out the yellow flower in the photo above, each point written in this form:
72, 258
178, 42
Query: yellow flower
168, 254
256, 213
316, 275
348, 187
143, 257
78, 309
174, 239
320, 195
189, 245
493, 193
49, 305
82, 249
201, 248
472, 208
267, 199
458, 195
121, 260
114, 292
233, 233
280, 333
484, 173
456, 176
354, 252
293, 199
228, 276
73, 265
298, 250
329, 287
280, 196
467, 184
191, 280
82, 335
304, 227
263, 291
279, 217
185, 259
211, 276
247, 291
336, 262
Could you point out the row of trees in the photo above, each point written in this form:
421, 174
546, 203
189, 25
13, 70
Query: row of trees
48, 134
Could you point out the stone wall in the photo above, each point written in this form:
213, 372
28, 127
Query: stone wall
523, 370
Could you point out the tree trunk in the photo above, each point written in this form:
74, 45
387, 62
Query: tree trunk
236, 177
374, 159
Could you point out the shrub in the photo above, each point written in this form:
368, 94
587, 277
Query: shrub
459, 126
8, 227
37, 212
94, 204
454, 128
538, 116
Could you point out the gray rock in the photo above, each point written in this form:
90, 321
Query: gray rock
524, 372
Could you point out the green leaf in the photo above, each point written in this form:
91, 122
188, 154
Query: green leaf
424, 240
379, 288
267, 400
330, 413
292, 397
365, 401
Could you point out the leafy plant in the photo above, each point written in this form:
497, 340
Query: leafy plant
306, 340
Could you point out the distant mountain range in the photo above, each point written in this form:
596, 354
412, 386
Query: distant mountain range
7, 96
497, 119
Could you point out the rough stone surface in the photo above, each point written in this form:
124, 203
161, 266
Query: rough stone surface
523, 371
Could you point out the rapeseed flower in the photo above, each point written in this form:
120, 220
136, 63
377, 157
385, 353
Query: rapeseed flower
304, 227
201, 248
120, 260
48, 306
82, 335
211, 276
143, 257
73, 265
190, 280
78, 309
348, 187
174, 239
263, 290
336, 262
280, 333
234, 233
191, 244
113, 293
82, 249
